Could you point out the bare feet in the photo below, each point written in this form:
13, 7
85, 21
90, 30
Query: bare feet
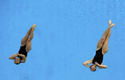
110, 24
33, 27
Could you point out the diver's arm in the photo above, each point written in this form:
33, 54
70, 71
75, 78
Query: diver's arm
97, 64
100, 66
23, 58
21, 55
87, 62
13, 56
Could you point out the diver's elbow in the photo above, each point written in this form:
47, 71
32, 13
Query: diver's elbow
84, 63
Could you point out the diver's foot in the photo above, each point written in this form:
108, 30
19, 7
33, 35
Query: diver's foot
111, 25
33, 27
110, 22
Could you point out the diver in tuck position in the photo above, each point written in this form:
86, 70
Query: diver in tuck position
102, 48
25, 47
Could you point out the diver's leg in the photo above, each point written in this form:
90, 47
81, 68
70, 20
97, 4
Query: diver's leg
32, 33
28, 46
101, 41
24, 40
106, 33
105, 46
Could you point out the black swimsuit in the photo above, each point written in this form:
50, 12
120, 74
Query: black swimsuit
98, 57
22, 51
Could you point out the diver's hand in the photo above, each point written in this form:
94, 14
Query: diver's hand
97, 64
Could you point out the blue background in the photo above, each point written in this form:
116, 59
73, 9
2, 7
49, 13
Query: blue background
66, 35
